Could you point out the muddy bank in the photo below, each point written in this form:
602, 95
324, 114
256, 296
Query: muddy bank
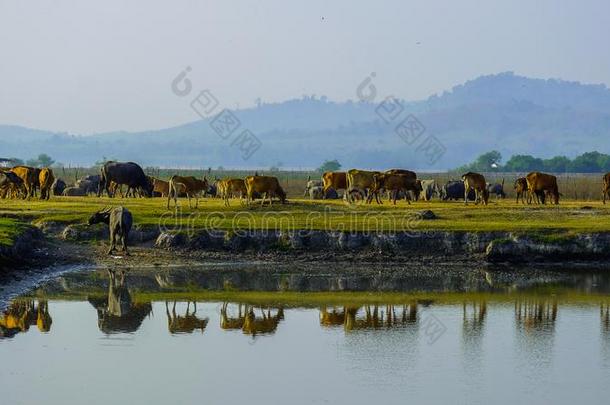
486, 246
22, 249
423, 247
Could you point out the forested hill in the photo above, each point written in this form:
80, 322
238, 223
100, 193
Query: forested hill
504, 112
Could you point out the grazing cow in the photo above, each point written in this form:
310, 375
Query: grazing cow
74, 192
311, 184
429, 189
11, 185
58, 187
184, 323
521, 190
192, 188
317, 192
606, 189
129, 174
230, 188
212, 190
395, 184
361, 182
268, 185
29, 175
476, 182
404, 172
119, 221
538, 184
161, 188
334, 180
454, 190
46, 179
497, 189
90, 183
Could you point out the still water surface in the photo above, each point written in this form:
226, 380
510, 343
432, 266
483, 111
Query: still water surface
95, 338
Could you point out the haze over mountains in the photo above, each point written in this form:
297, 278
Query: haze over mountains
505, 112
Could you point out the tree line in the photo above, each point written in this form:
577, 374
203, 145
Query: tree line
590, 162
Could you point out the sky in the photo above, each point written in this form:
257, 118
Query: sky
90, 67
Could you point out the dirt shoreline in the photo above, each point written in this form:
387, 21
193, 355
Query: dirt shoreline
49, 244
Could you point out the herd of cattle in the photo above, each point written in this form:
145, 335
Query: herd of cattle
25, 182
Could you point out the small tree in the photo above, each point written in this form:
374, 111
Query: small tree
43, 160
329, 166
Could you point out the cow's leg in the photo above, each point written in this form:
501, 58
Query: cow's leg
466, 190
112, 241
124, 240
604, 194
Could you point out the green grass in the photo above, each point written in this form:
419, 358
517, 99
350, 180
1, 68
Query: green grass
564, 219
9, 229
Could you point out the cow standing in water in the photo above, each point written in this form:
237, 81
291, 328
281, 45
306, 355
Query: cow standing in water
476, 182
119, 221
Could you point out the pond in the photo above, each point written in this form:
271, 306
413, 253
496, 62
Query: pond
226, 335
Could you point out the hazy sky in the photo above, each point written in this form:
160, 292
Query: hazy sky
84, 67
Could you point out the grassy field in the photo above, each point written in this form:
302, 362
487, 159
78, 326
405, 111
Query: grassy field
504, 215
9, 228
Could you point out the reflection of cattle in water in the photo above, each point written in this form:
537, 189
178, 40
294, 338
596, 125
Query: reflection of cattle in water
22, 314
536, 314
262, 325
118, 313
228, 322
249, 322
373, 317
604, 313
186, 323
474, 314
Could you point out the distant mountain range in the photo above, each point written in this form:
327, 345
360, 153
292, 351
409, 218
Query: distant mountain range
505, 112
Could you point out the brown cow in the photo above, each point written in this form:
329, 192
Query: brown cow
231, 187
45, 179
476, 182
161, 187
538, 184
335, 180
521, 190
192, 187
606, 189
29, 175
11, 185
404, 172
362, 181
264, 184
395, 183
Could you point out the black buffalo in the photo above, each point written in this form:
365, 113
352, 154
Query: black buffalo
119, 221
129, 173
454, 190
496, 189
58, 187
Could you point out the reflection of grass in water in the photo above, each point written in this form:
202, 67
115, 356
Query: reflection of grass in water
296, 299
335, 214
